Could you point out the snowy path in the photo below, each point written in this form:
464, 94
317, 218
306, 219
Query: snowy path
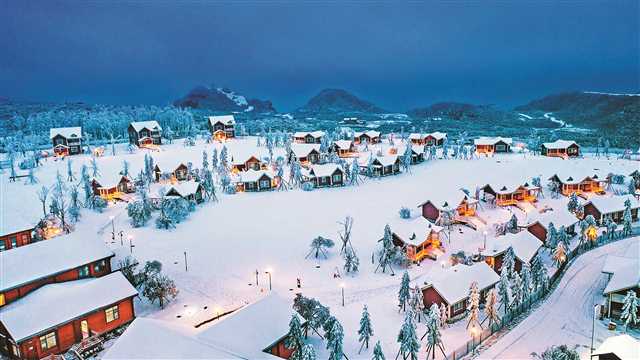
566, 317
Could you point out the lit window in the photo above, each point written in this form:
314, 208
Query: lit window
48, 341
2, 301
3, 246
83, 272
99, 267
14, 241
337, 178
112, 313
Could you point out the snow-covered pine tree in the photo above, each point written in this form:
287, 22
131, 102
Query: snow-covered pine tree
214, 158
355, 173
407, 338
125, 168
224, 156
474, 306
307, 353
503, 291
559, 254
387, 252
335, 338
490, 310
562, 237
378, 354
161, 288
70, 176
443, 315
573, 203
406, 158
351, 261
509, 262
318, 246
629, 313
205, 160
526, 282
536, 271
295, 338
404, 292
417, 303
551, 239
627, 219
512, 224
517, 292
366, 329
434, 338
95, 171
74, 205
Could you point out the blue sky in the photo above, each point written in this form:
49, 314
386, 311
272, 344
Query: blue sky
397, 54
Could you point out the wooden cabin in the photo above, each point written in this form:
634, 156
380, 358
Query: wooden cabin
622, 276
612, 207
431, 139
245, 163
52, 319
617, 347
369, 137
491, 145
308, 137
15, 237
25, 270
538, 224
581, 185
513, 195
326, 175
419, 238
560, 148
145, 133
417, 154
188, 190
524, 244
463, 210
112, 189
344, 148
256, 180
382, 166
305, 153
222, 127
176, 172
66, 141
450, 286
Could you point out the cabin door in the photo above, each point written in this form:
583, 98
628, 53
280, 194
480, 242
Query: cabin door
84, 329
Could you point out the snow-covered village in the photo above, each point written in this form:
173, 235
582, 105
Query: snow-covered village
217, 227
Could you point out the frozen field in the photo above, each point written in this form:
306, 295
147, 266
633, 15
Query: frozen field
226, 242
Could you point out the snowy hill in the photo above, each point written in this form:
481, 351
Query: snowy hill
339, 101
222, 99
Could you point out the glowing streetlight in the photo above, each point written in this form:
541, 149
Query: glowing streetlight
342, 285
484, 245
269, 271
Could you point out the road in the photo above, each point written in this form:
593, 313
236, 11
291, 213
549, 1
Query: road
566, 316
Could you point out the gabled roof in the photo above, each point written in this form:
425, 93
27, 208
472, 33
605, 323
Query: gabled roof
623, 346
253, 328
524, 244
387, 160
417, 149
417, 136
453, 283
67, 132
56, 304
316, 134
169, 164
486, 140
576, 177
303, 150
414, 231
25, 264
110, 181
448, 203
625, 273
254, 175
185, 188
343, 144
559, 144
611, 204
438, 135
224, 119
150, 125
240, 159
324, 170
559, 217
510, 188
369, 133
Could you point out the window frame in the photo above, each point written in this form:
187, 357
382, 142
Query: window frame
457, 306
44, 341
114, 311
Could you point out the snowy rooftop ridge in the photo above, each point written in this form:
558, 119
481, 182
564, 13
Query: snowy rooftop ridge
343, 144
56, 304
524, 244
67, 132
224, 119
559, 217
453, 283
413, 231
369, 133
303, 150
559, 144
324, 170
610, 204
623, 346
150, 125
184, 188
254, 175
48, 257
488, 140
315, 134
625, 273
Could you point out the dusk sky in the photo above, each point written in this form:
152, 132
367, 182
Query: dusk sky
397, 55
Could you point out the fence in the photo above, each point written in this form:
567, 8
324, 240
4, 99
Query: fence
514, 315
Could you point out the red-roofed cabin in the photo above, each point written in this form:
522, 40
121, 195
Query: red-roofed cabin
16, 239
251, 163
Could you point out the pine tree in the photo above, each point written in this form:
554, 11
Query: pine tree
295, 338
409, 345
224, 156
366, 330
629, 313
490, 310
526, 282
306, 353
443, 315
509, 262
572, 205
95, 171
474, 306
159, 287
551, 239
377, 352
205, 160
214, 158
318, 246
355, 173
562, 237
351, 261
388, 250
516, 290
503, 291
70, 176
434, 338
335, 338
559, 254
404, 292
536, 271
627, 219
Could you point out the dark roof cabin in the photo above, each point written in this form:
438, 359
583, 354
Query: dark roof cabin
66, 141
145, 133
222, 127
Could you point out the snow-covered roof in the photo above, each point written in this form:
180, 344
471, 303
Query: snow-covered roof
559, 217
369, 133
240, 159
169, 164
343, 144
413, 231
224, 119
611, 204
559, 144
303, 150
625, 273
486, 140
253, 328
170, 341
254, 175
417, 136
110, 179
150, 125
448, 202
524, 244
324, 170
504, 189
576, 176
453, 283
184, 188
67, 132
387, 160
438, 135
623, 346
417, 149
316, 134
44, 258
56, 304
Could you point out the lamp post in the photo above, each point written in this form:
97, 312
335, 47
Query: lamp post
186, 266
268, 272
130, 237
342, 290
473, 332
257, 277
484, 244
121, 233
593, 326
113, 228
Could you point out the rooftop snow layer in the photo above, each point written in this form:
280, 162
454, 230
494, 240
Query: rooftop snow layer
524, 244
623, 346
150, 125
67, 132
44, 258
559, 144
303, 150
254, 175
611, 204
324, 170
184, 188
413, 231
56, 304
453, 283
626, 275
486, 140
224, 119
559, 217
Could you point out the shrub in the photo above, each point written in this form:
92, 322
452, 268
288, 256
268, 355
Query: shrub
405, 213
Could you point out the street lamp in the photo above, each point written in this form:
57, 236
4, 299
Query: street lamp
268, 272
474, 332
593, 325
130, 237
484, 245
113, 228
342, 290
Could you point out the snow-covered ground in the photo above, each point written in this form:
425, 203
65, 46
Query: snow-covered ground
566, 317
227, 241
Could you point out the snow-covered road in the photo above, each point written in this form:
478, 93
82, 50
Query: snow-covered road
567, 315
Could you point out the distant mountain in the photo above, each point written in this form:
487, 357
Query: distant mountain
451, 110
222, 99
339, 101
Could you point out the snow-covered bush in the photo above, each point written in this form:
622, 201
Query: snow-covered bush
230, 189
558, 352
405, 213
98, 203
307, 186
